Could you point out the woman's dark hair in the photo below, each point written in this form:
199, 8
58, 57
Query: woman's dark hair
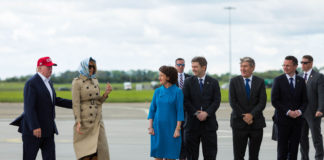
170, 72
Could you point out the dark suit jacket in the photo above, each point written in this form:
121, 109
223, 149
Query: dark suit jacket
186, 76
315, 94
241, 104
209, 100
39, 110
283, 100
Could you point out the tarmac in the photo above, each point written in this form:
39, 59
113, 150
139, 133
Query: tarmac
126, 127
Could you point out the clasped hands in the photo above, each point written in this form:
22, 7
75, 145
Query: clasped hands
248, 118
318, 114
294, 114
201, 115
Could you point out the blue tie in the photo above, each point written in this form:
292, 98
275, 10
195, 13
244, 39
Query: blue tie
201, 85
247, 88
291, 84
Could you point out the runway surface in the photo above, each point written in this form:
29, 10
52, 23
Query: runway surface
126, 128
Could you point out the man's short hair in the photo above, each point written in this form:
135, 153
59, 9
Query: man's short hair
249, 60
308, 57
179, 59
170, 72
201, 60
292, 58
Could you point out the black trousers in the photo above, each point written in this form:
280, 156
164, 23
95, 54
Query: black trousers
314, 125
288, 141
183, 147
242, 137
209, 144
31, 145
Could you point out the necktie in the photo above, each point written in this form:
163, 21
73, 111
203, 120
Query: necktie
305, 77
291, 84
247, 88
201, 85
181, 82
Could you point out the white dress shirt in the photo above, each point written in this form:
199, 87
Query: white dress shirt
308, 74
203, 79
250, 82
294, 83
46, 82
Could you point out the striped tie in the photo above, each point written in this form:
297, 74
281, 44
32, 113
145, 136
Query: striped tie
181, 82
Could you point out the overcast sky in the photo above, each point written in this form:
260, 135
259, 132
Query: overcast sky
145, 34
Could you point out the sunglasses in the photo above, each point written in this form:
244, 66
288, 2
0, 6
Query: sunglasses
180, 65
305, 62
92, 66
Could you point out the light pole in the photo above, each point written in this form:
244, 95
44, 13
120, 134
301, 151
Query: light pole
229, 8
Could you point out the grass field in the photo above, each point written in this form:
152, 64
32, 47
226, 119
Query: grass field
13, 92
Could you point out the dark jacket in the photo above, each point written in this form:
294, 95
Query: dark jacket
315, 94
283, 99
241, 104
39, 110
194, 100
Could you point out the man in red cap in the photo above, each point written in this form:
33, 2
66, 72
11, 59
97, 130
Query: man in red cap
37, 123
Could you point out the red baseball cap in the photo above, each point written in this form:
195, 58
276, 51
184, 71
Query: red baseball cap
45, 61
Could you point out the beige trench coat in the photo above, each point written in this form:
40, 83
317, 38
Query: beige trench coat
87, 108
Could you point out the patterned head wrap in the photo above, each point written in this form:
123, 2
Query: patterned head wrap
84, 67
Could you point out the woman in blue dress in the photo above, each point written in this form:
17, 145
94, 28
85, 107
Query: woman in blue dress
165, 116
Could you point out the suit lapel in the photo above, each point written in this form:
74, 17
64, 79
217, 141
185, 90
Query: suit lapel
206, 83
286, 83
54, 94
43, 87
195, 85
253, 86
311, 77
242, 86
298, 85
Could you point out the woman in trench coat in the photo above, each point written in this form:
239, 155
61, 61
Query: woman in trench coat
89, 138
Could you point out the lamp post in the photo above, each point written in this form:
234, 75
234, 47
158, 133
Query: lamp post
229, 8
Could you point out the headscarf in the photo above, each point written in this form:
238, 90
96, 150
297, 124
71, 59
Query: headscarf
84, 67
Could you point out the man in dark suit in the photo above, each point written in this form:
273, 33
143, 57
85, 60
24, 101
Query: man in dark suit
289, 98
180, 65
314, 111
248, 99
201, 101
37, 123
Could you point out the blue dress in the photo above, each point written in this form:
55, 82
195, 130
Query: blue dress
166, 109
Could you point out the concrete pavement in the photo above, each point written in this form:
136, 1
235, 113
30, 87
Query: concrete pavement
126, 128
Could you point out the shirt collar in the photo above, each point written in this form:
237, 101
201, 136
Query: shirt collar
294, 76
43, 77
203, 78
248, 78
308, 72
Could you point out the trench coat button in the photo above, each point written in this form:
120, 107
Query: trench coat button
97, 94
90, 114
95, 86
87, 87
83, 81
81, 110
90, 107
90, 95
90, 121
